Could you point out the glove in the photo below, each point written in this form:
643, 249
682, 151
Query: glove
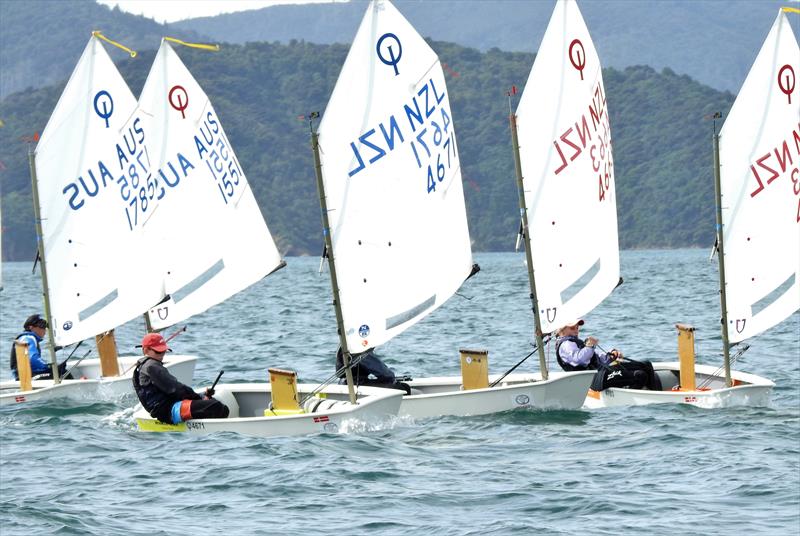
209, 392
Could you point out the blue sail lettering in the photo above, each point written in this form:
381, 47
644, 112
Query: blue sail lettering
379, 152
211, 120
174, 174
210, 139
410, 113
200, 147
439, 98
389, 137
94, 181
138, 129
358, 157
74, 187
185, 164
131, 150
121, 156
428, 109
104, 172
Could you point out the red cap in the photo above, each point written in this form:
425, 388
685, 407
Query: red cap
155, 341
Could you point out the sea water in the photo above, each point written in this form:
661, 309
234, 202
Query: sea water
678, 469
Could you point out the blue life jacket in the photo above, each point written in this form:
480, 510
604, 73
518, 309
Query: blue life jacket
594, 363
13, 360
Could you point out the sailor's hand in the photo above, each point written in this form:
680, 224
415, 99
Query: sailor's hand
591, 341
616, 354
209, 392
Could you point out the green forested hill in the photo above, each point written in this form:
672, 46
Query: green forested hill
662, 146
713, 41
40, 40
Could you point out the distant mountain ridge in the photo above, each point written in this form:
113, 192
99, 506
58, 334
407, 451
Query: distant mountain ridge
712, 41
662, 148
40, 40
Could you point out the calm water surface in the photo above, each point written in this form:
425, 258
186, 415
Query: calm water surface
646, 470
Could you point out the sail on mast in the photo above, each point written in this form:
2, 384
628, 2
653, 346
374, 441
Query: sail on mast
568, 172
204, 227
90, 165
392, 179
760, 189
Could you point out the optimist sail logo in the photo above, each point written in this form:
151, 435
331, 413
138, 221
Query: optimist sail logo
390, 50
577, 56
104, 105
787, 81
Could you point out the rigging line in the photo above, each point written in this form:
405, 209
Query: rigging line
78, 362
201, 46
734, 358
512, 369
332, 378
99, 35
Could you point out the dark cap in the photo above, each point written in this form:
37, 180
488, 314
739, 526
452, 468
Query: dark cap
34, 321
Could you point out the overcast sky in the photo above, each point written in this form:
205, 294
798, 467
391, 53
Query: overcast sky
173, 10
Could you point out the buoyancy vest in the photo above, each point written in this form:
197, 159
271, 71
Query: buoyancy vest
12, 362
153, 399
593, 364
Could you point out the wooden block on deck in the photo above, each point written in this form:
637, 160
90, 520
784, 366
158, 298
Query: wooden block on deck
474, 369
23, 366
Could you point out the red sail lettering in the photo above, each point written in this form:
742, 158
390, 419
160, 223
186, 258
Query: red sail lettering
565, 140
563, 160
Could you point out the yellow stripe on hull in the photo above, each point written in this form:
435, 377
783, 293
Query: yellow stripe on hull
152, 425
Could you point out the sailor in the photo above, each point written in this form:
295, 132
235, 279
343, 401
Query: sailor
162, 395
614, 370
370, 370
35, 329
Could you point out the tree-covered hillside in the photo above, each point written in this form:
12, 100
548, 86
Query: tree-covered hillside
662, 146
41, 39
712, 41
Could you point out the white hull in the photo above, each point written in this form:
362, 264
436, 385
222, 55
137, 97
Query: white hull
748, 390
431, 397
248, 401
93, 388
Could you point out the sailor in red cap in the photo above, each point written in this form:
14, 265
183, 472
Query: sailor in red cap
162, 395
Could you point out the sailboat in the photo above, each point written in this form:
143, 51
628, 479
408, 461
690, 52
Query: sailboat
195, 143
757, 188
399, 241
89, 173
561, 137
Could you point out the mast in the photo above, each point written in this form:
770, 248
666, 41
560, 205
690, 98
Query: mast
523, 209
40, 245
721, 252
326, 231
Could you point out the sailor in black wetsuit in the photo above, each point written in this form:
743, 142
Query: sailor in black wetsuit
574, 353
163, 396
370, 371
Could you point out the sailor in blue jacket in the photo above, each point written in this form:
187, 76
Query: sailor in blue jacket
35, 329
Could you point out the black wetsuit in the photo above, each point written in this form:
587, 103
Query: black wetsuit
158, 391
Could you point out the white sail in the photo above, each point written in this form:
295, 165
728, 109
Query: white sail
568, 172
205, 231
392, 178
91, 167
760, 187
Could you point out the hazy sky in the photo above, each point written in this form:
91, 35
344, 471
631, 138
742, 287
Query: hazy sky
173, 10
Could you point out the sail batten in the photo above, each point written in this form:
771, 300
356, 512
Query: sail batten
567, 170
760, 189
392, 181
